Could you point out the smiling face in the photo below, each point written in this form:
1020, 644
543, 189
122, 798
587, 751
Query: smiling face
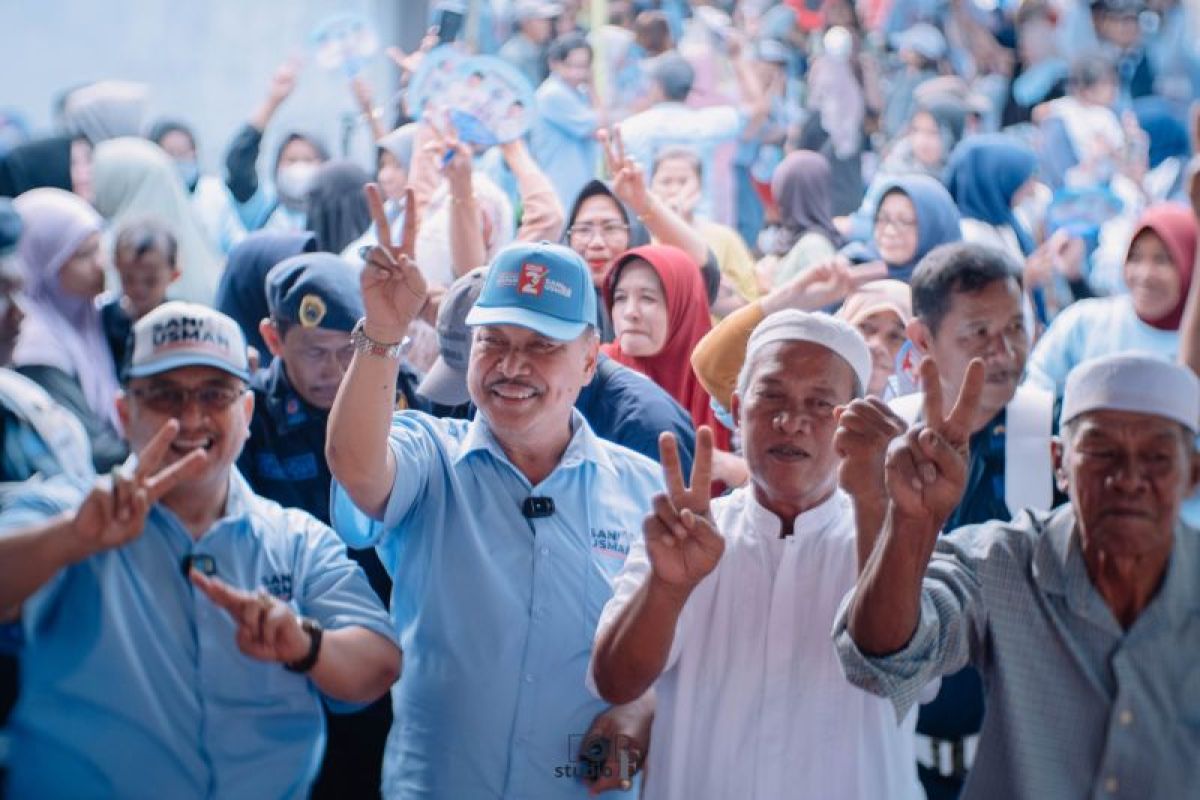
599, 234
1152, 278
639, 310
787, 423
1127, 475
987, 324
896, 232
221, 432
525, 383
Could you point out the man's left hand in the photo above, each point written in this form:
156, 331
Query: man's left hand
622, 735
267, 628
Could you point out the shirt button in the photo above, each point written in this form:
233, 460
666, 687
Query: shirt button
545, 551
528, 678
1111, 785
1126, 717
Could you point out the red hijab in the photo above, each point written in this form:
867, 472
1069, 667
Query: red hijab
1175, 224
687, 322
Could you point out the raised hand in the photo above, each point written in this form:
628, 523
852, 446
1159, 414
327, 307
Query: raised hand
114, 512
283, 82
865, 429
455, 158
267, 628
393, 289
927, 469
629, 180
823, 284
681, 540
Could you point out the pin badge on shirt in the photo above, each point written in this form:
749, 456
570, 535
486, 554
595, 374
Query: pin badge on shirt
312, 310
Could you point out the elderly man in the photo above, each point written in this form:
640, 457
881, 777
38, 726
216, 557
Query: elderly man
134, 683
502, 534
728, 617
1083, 621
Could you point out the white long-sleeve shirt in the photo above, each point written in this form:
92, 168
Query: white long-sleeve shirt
753, 702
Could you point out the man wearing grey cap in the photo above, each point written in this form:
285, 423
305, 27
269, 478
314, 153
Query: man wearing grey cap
1084, 621
180, 631
502, 534
526, 49
728, 618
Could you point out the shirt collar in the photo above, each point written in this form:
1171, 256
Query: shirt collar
584, 444
765, 522
240, 503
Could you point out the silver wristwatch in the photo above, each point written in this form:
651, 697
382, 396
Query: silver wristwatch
365, 344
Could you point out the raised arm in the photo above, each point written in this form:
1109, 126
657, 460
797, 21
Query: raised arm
394, 292
683, 547
541, 212
1189, 328
111, 515
241, 160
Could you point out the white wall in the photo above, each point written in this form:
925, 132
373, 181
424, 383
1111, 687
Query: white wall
207, 62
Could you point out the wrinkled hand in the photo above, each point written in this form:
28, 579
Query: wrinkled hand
628, 178
926, 470
114, 512
865, 429
267, 629
393, 289
618, 739
681, 540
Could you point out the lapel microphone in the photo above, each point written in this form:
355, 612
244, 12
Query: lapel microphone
537, 507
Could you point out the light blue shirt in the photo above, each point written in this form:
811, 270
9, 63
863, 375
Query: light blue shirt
496, 612
564, 138
132, 682
1091, 328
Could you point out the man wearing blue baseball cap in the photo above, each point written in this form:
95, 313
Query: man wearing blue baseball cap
502, 534
180, 630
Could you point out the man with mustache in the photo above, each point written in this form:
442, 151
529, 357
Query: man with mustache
180, 630
502, 535
1084, 621
728, 615
967, 304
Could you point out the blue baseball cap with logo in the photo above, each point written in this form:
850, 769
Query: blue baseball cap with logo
544, 287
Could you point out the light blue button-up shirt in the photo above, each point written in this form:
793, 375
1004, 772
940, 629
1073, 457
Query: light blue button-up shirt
132, 682
564, 138
496, 612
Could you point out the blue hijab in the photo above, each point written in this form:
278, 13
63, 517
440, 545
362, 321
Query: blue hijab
937, 222
983, 175
1167, 133
242, 293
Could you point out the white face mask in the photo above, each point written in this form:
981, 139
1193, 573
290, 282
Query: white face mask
294, 181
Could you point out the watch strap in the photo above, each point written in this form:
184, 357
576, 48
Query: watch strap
315, 632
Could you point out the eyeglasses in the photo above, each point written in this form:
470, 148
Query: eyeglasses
610, 231
898, 223
169, 399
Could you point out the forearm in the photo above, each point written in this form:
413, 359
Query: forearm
356, 444
30, 557
632, 654
467, 247
356, 665
542, 214
262, 115
887, 601
241, 163
667, 227
869, 516
1189, 329
425, 174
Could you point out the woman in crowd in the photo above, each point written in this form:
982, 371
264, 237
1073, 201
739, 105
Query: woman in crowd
337, 207
58, 162
801, 187
1158, 272
135, 178
988, 176
62, 346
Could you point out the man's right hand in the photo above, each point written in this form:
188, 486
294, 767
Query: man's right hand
681, 540
926, 470
393, 289
114, 512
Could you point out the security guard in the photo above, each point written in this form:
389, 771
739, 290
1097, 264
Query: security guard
314, 302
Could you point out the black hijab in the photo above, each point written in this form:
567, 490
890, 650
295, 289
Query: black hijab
38, 164
337, 209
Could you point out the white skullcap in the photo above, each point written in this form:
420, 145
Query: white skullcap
838, 43
1142, 383
792, 325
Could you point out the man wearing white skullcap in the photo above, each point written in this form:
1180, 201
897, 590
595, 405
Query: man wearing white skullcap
1084, 621
727, 616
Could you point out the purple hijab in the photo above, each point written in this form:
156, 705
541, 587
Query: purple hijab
62, 330
802, 186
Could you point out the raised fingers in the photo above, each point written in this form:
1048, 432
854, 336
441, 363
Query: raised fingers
668, 457
142, 464
702, 466
408, 231
931, 386
383, 231
221, 594
960, 417
163, 481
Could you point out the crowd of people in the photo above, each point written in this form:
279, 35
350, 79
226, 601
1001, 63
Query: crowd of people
806, 405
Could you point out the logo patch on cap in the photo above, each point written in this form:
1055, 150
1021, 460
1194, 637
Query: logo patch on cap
312, 311
532, 280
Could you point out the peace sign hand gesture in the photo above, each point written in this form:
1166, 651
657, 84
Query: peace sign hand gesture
393, 289
629, 180
927, 468
681, 540
114, 512
267, 629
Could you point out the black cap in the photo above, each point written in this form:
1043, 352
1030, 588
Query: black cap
315, 290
